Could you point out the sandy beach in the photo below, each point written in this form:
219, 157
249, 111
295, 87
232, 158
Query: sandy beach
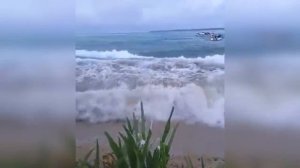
195, 140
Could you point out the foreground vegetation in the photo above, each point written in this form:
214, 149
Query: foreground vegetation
136, 148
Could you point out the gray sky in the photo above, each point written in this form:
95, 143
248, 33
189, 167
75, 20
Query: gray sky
93, 16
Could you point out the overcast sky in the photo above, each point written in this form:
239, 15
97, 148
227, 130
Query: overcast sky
93, 16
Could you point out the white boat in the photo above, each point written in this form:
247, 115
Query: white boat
210, 36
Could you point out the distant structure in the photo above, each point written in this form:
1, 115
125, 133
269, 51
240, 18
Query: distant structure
210, 36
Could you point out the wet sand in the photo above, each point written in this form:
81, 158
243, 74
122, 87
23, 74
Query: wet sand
190, 139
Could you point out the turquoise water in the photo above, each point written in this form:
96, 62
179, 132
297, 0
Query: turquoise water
155, 44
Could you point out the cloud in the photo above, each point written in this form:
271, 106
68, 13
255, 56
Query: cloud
141, 15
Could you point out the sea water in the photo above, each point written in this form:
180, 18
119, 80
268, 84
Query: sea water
115, 72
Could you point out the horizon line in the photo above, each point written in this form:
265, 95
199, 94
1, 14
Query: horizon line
153, 31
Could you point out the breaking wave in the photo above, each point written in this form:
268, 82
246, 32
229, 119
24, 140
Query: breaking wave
124, 54
111, 84
106, 54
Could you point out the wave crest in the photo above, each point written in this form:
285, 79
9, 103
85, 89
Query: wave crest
107, 54
124, 54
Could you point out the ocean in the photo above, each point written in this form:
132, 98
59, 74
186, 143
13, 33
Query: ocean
115, 72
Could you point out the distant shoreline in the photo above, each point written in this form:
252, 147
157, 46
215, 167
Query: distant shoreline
147, 31
154, 31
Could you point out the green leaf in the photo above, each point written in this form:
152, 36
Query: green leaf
146, 145
143, 121
113, 145
131, 148
167, 126
156, 158
129, 125
119, 142
97, 159
135, 126
149, 160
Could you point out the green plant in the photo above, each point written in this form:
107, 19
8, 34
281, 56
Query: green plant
85, 163
133, 149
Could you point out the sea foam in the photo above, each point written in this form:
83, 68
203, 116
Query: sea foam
111, 84
107, 54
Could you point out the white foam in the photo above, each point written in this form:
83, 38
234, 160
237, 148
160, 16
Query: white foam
111, 88
107, 73
108, 54
215, 59
123, 54
192, 104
